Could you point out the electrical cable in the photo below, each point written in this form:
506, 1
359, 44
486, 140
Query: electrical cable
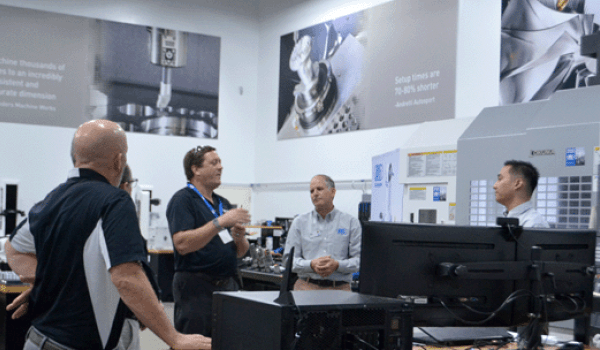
420, 345
364, 342
299, 325
515, 237
577, 308
507, 301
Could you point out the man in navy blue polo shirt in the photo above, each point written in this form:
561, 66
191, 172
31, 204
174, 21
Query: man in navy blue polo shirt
83, 245
208, 236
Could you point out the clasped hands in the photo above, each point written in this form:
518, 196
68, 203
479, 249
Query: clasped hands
324, 266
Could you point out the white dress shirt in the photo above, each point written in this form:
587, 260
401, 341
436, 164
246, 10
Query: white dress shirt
528, 216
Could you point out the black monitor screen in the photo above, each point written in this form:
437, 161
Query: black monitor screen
406, 261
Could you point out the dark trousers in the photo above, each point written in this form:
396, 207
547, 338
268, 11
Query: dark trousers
192, 293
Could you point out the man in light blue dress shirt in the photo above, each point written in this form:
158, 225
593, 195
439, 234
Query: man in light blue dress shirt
327, 242
516, 182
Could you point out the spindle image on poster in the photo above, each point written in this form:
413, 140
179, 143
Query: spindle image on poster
146, 78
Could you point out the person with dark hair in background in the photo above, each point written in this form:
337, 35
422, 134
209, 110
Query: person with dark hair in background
83, 251
208, 237
127, 181
130, 335
327, 242
516, 182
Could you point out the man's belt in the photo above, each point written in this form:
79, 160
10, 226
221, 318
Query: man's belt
216, 281
37, 338
325, 283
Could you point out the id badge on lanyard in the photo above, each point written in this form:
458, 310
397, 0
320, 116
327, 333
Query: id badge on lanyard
223, 234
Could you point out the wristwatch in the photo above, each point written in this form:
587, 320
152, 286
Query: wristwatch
216, 223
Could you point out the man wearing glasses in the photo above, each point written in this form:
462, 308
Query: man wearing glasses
130, 335
208, 237
127, 182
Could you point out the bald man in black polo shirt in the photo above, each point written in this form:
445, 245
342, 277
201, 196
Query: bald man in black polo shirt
83, 245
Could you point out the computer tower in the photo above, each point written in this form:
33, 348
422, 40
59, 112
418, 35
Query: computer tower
327, 319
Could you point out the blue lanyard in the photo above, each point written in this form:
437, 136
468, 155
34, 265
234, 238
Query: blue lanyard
212, 209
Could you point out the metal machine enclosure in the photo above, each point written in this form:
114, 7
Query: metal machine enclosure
559, 136
428, 161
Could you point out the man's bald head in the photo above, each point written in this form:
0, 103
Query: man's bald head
100, 145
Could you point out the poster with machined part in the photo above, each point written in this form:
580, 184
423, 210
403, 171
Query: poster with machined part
62, 70
389, 65
541, 47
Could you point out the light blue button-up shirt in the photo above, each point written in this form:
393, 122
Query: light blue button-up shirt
337, 235
528, 216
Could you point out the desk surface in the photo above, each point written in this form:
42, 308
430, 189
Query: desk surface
160, 251
13, 288
265, 227
509, 346
261, 275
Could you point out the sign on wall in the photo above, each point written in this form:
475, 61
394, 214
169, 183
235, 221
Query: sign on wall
390, 65
62, 70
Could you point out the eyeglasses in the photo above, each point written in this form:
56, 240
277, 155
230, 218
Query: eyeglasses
131, 182
201, 150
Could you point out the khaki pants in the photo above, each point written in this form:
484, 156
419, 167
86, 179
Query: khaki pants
303, 285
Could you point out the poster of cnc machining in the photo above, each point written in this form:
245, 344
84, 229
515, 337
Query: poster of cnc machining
389, 65
541, 47
62, 70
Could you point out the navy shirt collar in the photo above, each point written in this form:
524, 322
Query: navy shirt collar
86, 174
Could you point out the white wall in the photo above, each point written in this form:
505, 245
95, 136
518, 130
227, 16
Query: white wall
478, 56
250, 32
347, 156
39, 156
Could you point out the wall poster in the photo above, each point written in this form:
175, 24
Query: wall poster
541, 45
390, 65
62, 70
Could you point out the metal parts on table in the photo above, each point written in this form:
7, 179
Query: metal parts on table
262, 260
261, 266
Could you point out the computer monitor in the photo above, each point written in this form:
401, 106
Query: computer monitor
563, 253
460, 276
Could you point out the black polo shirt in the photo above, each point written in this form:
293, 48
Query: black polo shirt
187, 211
78, 232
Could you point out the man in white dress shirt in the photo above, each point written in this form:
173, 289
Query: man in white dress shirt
516, 182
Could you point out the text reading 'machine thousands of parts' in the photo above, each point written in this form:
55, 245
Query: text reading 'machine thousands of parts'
411, 87
28, 84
